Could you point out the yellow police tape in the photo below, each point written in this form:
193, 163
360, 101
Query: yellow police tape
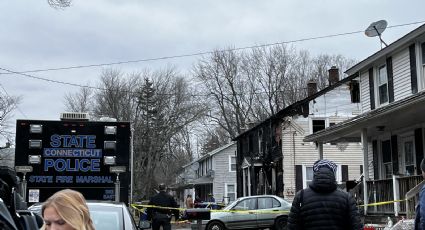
142, 207
381, 203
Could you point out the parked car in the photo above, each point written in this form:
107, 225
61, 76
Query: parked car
251, 212
106, 215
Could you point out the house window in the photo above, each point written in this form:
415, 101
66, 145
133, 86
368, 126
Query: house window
318, 124
383, 85
386, 158
409, 157
230, 193
308, 175
232, 163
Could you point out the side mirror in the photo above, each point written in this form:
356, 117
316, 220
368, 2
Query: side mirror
144, 224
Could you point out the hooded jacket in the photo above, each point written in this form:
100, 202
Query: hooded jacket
323, 206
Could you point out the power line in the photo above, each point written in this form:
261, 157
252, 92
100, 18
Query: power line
129, 91
205, 52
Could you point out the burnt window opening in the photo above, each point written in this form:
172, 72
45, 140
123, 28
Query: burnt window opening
318, 125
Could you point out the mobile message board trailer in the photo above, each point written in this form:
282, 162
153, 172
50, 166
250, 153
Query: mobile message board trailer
92, 157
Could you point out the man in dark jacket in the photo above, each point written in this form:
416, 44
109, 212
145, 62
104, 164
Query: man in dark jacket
162, 216
322, 205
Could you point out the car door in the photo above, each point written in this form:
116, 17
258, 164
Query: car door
268, 210
243, 215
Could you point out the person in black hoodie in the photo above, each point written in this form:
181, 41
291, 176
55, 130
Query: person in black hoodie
162, 216
322, 205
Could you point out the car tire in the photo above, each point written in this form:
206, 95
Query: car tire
280, 223
215, 225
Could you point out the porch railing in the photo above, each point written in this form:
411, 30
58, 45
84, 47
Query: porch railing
380, 191
384, 190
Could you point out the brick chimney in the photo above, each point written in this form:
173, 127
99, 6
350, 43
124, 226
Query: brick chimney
333, 75
311, 87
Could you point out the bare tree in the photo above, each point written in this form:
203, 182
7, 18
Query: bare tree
248, 87
160, 107
7, 105
167, 108
59, 4
81, 101
228, 90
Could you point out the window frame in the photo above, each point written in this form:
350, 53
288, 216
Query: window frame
378, 85
226, 191
230, 163
338, 175
326, 119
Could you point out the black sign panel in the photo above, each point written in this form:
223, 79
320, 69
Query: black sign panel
72, 156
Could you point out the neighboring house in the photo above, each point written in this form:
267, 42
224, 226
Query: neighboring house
391, 125
214, 173
274, 159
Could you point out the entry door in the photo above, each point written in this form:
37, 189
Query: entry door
409, 161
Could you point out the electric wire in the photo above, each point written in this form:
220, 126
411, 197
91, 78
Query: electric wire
208, 52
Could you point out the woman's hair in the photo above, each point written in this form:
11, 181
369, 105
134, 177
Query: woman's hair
71, 207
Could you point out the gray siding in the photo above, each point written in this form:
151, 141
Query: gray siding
223, 175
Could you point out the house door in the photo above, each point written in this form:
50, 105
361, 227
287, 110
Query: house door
409, 156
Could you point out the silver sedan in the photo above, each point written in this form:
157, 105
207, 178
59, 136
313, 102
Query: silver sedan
251, 212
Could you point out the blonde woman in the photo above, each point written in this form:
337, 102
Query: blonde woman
66, 210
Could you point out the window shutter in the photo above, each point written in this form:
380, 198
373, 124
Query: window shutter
371, 89
344, 172
298, 177
390, 79
413, 73
419, 149
394, 154
375, 159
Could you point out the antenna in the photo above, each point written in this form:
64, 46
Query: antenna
376, 29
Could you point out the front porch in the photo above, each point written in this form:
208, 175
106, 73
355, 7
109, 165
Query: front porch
392, 139
383, 192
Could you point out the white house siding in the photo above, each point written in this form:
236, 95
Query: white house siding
335, 106
364, 92
306, 154
222, 175
401, 75
334, 103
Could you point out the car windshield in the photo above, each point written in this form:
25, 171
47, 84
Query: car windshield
106, 217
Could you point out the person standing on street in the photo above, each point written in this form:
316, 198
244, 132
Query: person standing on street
189, 201
420, 209
322, 205
162, 216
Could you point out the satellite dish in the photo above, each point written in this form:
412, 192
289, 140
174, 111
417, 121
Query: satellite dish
376, 29
194, 166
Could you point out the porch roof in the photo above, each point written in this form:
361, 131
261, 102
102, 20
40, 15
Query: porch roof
397, 115
202, 180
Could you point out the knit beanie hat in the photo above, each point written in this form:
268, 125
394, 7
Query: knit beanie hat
324, 163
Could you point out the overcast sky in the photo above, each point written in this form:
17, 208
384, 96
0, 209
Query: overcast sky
35, 36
